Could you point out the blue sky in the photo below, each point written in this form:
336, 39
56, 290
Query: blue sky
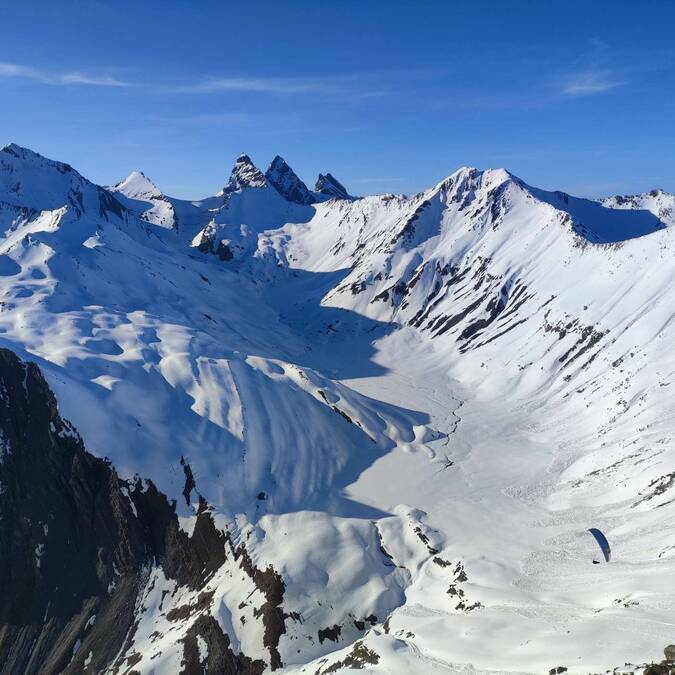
388, 96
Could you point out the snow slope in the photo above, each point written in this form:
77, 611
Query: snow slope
413, 408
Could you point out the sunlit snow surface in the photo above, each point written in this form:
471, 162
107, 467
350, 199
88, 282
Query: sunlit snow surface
414, 408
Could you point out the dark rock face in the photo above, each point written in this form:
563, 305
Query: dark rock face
330, 633
359, 658
666, 667
329, 185
286, 182
207, 244
220, 658
271, 585
662, 668
77, 543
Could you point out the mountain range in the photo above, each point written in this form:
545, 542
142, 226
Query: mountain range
295, 430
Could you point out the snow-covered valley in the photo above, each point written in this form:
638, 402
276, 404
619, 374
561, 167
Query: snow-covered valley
403, 414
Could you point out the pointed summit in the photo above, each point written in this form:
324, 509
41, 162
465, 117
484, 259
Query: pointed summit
142, 196
287, 183
138, 186
330, 186
245, 174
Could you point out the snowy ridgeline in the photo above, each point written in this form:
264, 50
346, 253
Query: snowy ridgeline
411, 408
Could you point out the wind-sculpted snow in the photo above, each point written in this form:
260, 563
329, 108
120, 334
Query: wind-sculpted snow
222, 385
411, 408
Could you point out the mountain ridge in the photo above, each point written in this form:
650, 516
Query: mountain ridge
245, 174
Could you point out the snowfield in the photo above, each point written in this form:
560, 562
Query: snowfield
411, 408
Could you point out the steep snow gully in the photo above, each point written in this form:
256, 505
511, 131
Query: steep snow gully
331, 432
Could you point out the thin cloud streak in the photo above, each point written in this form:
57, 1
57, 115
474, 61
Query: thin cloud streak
343, 86
588, 83
17, 71
591, 72
261, 85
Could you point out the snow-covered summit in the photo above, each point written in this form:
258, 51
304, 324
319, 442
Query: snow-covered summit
286, 182
141, 195
596, 222
28, 157
470, 177
658, 202
138, 186
29, 180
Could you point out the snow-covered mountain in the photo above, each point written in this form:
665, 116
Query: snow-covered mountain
385, 423
140, 194
660, 203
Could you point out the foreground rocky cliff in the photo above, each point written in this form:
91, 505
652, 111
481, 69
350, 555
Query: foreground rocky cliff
78, 544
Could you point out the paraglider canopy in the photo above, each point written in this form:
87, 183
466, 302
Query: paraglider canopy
602, 542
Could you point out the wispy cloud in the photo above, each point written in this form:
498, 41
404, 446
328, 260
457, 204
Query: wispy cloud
17, 71
353, 87
262, 85
589, 82
591, 72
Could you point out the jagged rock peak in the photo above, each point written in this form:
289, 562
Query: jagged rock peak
245, 174
331, 186
286, 182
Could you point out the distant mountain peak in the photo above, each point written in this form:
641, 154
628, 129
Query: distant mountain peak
18, 150
27, 179
138, 186
331, 186
245, 174
26, 155
466, 175
286, 182
657, 201
146, 199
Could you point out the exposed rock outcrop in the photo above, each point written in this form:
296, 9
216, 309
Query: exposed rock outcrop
245, 174
331, 186
77, 543
286, 182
